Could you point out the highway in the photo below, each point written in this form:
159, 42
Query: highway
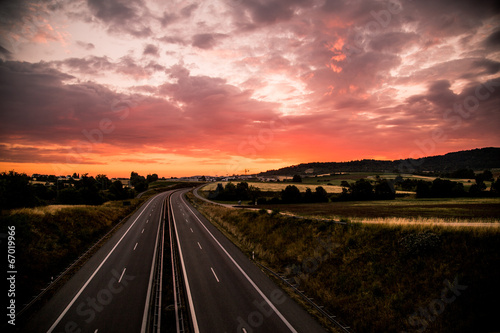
227, 292
109, 293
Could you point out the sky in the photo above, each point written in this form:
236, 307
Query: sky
222, 87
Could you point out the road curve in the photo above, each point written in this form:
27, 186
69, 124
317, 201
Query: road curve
109, 293
226, 291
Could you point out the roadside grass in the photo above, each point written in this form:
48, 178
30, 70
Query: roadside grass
376, 278
49, 238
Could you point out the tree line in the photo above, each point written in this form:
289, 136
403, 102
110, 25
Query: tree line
16, 190
362, 189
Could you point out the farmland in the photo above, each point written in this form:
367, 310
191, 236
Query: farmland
389, 273
404, 209
276, 187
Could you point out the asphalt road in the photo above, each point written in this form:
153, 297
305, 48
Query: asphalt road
109, 293
226, 291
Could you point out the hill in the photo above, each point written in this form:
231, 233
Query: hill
475, 159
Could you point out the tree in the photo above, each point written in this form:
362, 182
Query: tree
423, 189
103, 181
152, 178
229, 191
486, 176
308, 195
345, 184
16, 191
89, 190
495, 186
254, 193
320, 195
138, 182
361, 190
297, 179
117, 191
385, 190
242, 191
291, 194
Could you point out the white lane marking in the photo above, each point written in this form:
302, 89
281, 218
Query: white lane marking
215, 274
135, 246
147, 221
95, 272
121, 276
199, 245
186, 280
142, 231
96, 331
290, 327
191, 230
244, 330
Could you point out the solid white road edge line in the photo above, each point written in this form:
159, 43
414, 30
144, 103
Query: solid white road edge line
244, 273
188, 290
95, 272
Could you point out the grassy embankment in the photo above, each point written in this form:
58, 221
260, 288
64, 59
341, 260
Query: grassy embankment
49, 238
378, 278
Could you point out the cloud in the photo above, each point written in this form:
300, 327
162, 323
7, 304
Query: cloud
493, 40
130, 17
207, 41
152, 50
127, 66
86, 46
4, 53
269, 12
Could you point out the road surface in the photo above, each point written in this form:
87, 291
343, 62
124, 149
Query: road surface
226, 291
109, 293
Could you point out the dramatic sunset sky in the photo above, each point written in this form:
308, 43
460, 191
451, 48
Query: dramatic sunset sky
215, 87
